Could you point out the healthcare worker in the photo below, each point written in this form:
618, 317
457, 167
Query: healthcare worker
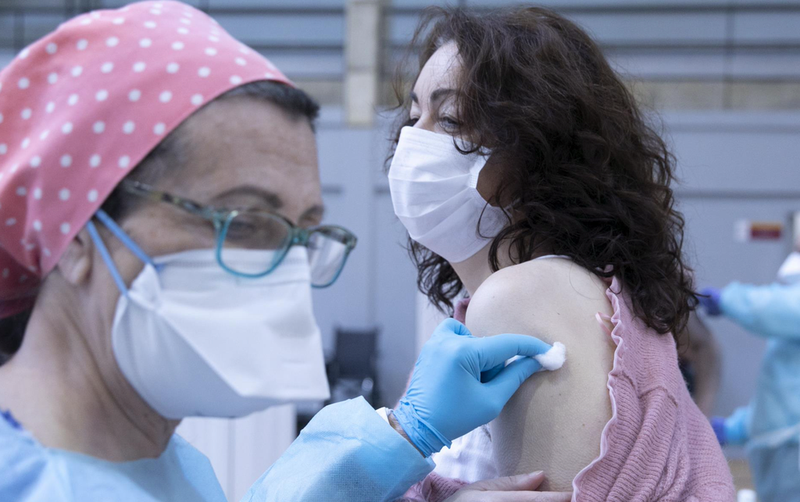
160, 207
769, 426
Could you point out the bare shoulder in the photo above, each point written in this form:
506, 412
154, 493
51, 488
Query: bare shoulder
554, 422
545, 295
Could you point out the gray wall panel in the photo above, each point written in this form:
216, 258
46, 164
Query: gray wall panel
308, 64
767, 27
284, 29
648, 28
401, 28
643, 64
6, 30
738, 152
767, 64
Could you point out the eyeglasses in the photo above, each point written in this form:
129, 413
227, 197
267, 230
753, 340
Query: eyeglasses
236, 229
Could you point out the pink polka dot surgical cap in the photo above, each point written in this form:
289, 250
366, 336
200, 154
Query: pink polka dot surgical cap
80, 108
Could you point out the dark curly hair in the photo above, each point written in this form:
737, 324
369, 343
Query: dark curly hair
589, 176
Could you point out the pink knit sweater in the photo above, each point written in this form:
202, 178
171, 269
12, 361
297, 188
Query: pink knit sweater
657, 445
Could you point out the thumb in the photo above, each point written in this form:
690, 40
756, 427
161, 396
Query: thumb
506, 383
520, 482
451, 326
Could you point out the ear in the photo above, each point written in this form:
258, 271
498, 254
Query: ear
75, 263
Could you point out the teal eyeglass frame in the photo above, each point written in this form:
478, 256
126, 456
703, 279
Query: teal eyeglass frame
221, 219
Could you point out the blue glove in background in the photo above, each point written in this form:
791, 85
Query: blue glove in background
737, 426
459, 383
709, 299
718, 424
733, 430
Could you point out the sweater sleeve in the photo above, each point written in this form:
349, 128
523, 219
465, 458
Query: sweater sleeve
771, 311
346, 453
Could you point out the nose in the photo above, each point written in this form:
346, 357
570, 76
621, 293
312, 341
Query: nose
425, 122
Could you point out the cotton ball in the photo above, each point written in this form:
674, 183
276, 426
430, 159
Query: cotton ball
554, 358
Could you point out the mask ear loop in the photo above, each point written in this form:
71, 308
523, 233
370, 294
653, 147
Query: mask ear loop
120, 234
106, 257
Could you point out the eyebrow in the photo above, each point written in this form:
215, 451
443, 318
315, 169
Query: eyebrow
272, 200
315, 212
436, 95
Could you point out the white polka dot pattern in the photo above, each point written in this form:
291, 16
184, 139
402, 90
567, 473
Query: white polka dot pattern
84, 105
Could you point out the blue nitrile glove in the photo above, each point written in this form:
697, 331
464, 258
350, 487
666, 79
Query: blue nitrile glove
709, 299
446, 397
737, 426
732, 430
718, 424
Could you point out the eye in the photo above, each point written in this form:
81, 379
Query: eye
449, 123
411, 121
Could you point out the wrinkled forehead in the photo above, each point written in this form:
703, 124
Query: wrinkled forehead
253, 143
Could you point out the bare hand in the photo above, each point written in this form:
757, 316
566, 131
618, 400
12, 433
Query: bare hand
511, 489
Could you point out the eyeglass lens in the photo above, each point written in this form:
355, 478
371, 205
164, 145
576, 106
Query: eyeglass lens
327, 246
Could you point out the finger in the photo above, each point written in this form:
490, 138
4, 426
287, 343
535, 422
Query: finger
496, 350
488, 376
451, 326
506, 383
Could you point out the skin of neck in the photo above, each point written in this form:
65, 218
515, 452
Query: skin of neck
59, 393
474, 270
477, 268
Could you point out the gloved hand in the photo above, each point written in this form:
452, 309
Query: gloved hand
709, 299
733, 430
446, 397
718, 424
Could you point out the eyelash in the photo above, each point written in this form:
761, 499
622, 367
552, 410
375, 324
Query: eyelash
448, 123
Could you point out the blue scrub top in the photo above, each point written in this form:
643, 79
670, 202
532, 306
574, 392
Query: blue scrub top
346, 453
772, 312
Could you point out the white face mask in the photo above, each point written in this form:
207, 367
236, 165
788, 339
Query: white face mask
789, 273
195, 340
434, 194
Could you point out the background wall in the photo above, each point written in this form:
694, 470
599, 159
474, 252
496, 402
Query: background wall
723, 74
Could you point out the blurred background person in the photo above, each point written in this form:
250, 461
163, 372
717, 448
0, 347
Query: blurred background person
769, 426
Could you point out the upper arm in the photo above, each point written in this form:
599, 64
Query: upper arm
772, 310
554, 422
